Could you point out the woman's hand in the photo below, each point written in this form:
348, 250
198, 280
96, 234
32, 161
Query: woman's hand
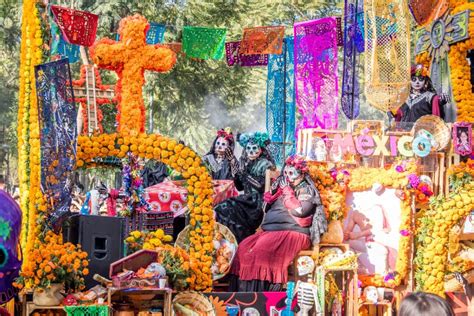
283, 182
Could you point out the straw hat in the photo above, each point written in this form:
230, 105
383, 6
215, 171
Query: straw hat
437, 127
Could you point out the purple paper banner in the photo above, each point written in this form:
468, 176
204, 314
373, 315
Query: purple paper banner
235, 58
316, 77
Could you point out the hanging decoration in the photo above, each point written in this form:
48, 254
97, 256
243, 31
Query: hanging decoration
437, 41
78, 27
204, 42
353, 46
262, 40
234, 57
129, 58
156, 33
316, 77
60, 47
28, 129
387, 58
57, 113
280, 110
426, 11
340, 36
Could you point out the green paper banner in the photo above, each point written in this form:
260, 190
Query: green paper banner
203, 42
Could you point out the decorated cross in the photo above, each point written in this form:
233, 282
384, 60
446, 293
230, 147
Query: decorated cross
435, 40
129, 58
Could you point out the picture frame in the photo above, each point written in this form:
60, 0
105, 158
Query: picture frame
462, 138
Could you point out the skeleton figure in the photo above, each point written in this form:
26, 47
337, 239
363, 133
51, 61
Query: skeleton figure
10, 224
307, 291
220, 159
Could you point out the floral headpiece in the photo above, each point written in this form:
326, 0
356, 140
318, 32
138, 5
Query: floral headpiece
419, 71
226, 133
259, 138
298, 162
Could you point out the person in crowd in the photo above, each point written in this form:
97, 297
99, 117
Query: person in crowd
243, 214
295, 221
220, 159
423, 99
424, 304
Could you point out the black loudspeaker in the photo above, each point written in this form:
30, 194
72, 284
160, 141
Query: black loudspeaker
101, 237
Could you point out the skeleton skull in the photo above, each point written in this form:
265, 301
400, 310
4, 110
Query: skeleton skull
292, 175
371, 294
253, 151
221, 146
10, 224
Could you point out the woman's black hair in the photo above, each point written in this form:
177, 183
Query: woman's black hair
461, 130
424, 304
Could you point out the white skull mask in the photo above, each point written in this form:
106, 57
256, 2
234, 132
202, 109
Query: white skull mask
292, 174
253, 151
221, 146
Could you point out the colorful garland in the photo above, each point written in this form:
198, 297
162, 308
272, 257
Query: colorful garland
181, 159
28, 127
459, 65
435, 224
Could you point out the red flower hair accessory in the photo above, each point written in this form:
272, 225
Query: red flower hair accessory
226, 134
298, 162
419, 71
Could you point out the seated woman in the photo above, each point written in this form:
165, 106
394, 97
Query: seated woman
294, 222
220, 159
243, 214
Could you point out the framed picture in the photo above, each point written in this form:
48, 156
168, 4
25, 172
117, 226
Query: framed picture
462, 138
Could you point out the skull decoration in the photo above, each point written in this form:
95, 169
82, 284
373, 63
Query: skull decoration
253, 150
221, 146
293, 175
371, 294
10, 224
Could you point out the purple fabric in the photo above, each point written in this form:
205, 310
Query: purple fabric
316, 73
10, 225
235, 58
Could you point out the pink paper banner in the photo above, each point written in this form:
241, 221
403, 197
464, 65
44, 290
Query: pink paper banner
316, 77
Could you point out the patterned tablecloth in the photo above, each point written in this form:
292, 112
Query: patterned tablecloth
172, 195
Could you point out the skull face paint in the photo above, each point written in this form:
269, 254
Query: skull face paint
10, 224
221, 146
253, 151
292, 175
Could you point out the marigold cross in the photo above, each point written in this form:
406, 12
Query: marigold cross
129, 58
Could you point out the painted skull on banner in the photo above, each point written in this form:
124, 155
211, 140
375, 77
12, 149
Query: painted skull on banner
253, 150
292, 174
221, 146
10, 224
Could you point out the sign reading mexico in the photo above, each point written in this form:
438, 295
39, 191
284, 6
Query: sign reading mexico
319, 146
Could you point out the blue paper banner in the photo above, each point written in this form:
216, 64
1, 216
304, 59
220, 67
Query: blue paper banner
58, 132
155, 34
60, 47
281, 101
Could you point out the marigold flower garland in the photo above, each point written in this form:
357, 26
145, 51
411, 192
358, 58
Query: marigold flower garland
435, 224
28, 127
459, 65
181, 159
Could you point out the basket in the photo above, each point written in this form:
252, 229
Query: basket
91, 310
182, 241
437, 127
197, 301
453, 284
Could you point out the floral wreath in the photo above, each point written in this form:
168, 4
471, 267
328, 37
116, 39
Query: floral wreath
298, 162
419, 70
226, 133
259, 138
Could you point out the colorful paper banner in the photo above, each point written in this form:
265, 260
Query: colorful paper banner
316, 77
280, 111
262, 40
203, 42
234, 57
78, 27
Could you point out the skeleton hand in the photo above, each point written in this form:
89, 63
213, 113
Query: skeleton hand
229, 155
444, 98
283, 182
